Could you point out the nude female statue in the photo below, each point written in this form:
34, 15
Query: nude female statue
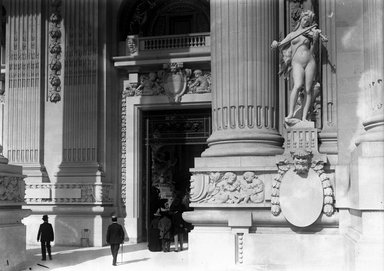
299, 49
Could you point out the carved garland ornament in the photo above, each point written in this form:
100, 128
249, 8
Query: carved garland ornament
227, 188
55, 50
318, 167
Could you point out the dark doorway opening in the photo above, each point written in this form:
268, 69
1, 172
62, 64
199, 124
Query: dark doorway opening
172, 139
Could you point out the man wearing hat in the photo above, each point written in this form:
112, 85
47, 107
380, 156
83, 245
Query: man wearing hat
115, 237
45, 235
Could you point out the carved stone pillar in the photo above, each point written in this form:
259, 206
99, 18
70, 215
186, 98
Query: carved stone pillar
366, 191
244, 72
24, 100
81, 90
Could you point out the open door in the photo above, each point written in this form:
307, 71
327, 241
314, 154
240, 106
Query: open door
173, 138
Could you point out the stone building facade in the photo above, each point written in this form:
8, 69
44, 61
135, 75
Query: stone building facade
104, 100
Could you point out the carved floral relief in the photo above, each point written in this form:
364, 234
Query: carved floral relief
11, 189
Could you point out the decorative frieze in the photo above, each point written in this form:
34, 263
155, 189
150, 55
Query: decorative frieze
68, 193
227, 188
173, 82
11, 190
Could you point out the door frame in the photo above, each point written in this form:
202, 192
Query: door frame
135, 106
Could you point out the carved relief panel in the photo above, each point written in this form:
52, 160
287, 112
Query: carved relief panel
173, 81
226, 188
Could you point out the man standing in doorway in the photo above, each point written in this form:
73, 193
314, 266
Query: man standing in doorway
45, 235
115, 237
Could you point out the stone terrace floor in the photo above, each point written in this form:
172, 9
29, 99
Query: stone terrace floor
135, 257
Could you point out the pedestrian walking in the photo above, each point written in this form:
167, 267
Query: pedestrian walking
115, 237
45, 236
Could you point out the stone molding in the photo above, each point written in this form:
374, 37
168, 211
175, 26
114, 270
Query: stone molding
12, 190
227, 189
68, 193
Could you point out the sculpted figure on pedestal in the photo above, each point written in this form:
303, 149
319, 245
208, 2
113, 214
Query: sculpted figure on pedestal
299, 55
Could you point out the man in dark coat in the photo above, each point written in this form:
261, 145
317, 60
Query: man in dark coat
115, 237
45, 235
165, 227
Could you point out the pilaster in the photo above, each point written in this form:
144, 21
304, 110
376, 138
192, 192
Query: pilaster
80, 152
25, 81
328, 134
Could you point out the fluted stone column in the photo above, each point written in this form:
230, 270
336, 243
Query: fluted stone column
25, 78
366, 186
244, 72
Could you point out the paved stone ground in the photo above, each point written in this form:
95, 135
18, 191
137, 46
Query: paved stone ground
135, 257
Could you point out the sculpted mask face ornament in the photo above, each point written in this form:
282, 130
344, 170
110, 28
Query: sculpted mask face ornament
302, 161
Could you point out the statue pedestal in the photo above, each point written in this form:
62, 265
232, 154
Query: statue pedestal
12, 230
234, 199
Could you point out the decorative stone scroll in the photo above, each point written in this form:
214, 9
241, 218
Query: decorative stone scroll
226, 188
11, 190
68, 193
55, 50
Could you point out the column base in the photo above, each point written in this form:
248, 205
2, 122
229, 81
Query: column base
243, 143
